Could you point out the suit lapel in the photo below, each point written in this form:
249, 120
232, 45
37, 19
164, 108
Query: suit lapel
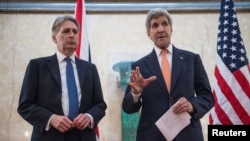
177, 66
154, 67
80, 71
54, 69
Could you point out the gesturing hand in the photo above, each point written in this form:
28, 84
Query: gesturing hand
137, 82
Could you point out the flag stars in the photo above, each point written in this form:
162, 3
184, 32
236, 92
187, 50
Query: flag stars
233, 56
226, 7
225, 30
224, 54
230, 46
234, 24
233, 65
234, 16
233, 48
234, 40
226, 15
219, 47
225, 22
219, 39
242, 59
234, 32
242, 51
219, 31
225, 38
242, 43
224, 46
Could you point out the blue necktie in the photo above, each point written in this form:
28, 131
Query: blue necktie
72, 90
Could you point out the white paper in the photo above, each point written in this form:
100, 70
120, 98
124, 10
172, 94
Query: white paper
170, 124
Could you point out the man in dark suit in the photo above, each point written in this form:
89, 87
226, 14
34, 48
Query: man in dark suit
44, 100
148, 93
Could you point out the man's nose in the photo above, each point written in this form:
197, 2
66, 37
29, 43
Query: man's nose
160, 28
71, 33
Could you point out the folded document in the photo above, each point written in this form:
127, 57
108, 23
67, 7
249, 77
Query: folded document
170, 124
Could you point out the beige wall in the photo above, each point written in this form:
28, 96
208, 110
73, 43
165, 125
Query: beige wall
113, 38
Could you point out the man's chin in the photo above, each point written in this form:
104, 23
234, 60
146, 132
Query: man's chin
71, 47
162, 46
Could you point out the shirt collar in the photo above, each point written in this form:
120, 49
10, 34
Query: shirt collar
61, 57
158, 50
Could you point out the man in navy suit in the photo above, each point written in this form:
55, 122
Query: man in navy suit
44, 100
147, 92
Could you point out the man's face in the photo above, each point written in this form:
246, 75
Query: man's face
67, 38
160, 32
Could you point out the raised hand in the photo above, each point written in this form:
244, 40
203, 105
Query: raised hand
137, 82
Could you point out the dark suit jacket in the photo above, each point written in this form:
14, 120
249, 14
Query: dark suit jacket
41, 97
189, 80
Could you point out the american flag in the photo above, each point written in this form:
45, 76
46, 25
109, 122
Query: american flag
83, 48
232, 76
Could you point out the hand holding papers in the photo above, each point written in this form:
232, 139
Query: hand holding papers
170, 124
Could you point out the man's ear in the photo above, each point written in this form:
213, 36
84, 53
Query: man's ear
149, 35
54, 38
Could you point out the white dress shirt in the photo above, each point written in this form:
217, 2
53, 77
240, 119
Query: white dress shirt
62, 66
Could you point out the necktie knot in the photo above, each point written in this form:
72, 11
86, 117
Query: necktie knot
67, 59
164, 52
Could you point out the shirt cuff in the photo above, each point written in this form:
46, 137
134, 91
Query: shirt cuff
91, 121
48, 123
136, 96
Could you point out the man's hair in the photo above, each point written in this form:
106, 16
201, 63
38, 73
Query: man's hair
60, 20
155, 13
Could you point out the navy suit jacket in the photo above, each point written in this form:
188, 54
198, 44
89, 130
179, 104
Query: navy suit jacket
188, 80
41, 93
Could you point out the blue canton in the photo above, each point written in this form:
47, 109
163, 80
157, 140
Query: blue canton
230, 44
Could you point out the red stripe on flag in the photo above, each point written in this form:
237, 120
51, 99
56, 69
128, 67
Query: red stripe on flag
228, 93
223, 118
243, 82
78, 15
97, 131
211, 120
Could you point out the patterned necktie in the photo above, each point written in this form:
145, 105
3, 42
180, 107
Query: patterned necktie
165, 68
72, 90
